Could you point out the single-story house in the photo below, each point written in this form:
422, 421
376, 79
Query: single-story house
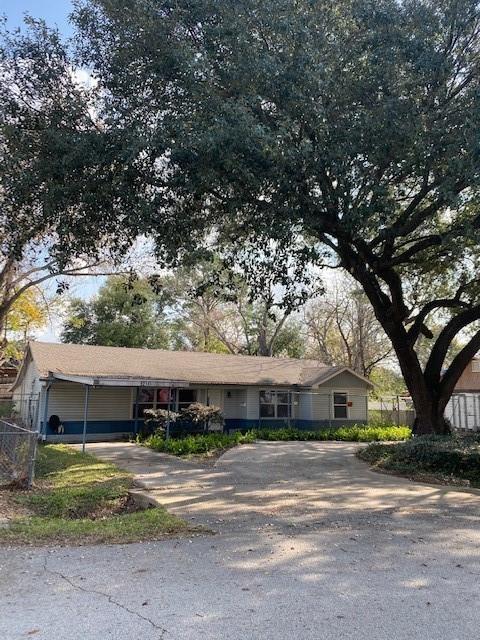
463, 408
105, 390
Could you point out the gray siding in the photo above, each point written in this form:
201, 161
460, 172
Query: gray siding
345, 380
235, 403
253, 403
322, 404
27, 396
357, 390
302, 405
105, 403
215, 397
359, 408
321, 400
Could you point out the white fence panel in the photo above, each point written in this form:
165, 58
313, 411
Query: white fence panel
463, 411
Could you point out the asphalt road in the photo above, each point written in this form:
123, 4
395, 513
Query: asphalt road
310, 545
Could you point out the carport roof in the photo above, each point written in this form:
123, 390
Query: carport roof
188, 366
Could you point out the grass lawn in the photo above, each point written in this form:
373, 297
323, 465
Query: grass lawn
443, 459
215, 443
79, 499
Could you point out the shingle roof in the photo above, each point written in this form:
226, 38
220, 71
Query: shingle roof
188, 366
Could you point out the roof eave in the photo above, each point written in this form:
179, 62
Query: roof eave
27, 354
333, 374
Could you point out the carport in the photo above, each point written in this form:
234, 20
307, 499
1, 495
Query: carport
89, 383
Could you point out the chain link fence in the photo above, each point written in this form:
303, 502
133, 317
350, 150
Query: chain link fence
391, 410
17, 453
18, 439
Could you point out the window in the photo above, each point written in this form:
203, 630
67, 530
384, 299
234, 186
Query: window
146, 399
165, 399
340, 404
186, 397
476, 366
149, 398
275, 404
267, 404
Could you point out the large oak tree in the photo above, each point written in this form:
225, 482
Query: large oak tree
353, 125
62, 211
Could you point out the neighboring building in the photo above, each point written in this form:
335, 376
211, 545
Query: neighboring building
106, 389
8, 375
463, 409
469, 381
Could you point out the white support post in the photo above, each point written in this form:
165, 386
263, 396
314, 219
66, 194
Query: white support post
167, 429
330, 407
85, 417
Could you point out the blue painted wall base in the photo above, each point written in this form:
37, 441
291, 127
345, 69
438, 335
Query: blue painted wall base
233, 424
96, 428
75, 427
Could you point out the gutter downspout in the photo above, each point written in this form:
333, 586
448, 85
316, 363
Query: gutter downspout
137, 395
167, 426
43, 430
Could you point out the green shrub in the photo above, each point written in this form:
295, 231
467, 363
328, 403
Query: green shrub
203, 443
444, 457
156, 421
203, 414
350, 433
199, 443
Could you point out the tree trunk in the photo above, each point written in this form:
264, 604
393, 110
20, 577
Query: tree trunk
428, 401
263, 348
429, 416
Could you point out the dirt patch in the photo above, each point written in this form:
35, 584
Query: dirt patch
126, 504
207, 459
9, 509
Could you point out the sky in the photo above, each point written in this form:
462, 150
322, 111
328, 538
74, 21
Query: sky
54, 12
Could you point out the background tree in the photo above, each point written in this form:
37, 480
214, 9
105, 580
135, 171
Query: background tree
125, 313
353, 126
388, 383
342, 329
216, 309
29, 313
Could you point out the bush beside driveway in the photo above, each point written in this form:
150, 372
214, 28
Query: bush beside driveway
453, 460
217, 443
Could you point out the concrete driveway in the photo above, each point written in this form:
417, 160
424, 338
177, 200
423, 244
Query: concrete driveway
310, 544
289, 484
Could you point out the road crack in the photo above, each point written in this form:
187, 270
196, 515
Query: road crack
109, 598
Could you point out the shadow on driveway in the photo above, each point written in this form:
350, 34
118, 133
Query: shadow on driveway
287, 485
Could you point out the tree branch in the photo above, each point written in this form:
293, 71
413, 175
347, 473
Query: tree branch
439, 351
442, 303
458, 365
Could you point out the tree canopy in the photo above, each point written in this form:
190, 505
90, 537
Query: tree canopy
61, 212
216, 309
342, 329
344, 132
184, 310
125, 313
